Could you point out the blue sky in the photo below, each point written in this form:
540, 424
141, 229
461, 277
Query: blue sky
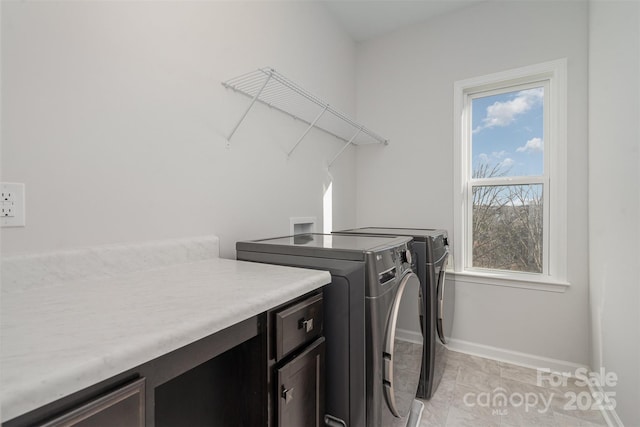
508, 130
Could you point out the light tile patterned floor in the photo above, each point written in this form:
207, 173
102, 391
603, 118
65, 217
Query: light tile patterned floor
470, 384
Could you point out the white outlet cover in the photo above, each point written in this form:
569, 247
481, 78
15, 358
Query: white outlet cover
13, 192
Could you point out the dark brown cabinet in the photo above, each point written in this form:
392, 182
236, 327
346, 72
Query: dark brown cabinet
124, 407
219, 380
296, 363
267, 370
301, 388
298, 325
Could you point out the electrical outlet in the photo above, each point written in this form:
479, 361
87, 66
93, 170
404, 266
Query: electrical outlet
12, 204
8, 208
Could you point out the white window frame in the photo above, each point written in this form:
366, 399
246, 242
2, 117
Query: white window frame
553, 76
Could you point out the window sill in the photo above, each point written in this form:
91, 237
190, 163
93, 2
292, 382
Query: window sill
522, 281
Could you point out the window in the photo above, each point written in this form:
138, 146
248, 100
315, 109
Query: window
510, 162
327, 209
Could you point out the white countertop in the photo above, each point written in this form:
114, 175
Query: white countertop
61, 338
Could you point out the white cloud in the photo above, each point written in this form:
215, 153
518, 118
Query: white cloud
507, 163
534, 145
494, 157
504, 113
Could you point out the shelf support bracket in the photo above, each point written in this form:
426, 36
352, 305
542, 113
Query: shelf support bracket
253, 101
345, 147
313, 123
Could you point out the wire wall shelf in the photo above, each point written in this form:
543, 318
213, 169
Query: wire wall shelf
271, 88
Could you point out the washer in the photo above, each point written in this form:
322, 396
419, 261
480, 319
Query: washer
391, 361
431, 250
371, 277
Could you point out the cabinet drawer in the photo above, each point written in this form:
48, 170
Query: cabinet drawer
298, 324
124, 407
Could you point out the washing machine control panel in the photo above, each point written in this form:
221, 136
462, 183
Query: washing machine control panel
387, 276
388, 267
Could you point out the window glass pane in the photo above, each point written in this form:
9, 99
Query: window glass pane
507, 134
507, 227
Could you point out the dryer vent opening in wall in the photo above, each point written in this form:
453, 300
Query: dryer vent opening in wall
302, 225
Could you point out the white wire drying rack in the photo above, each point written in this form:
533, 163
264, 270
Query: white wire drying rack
271, 88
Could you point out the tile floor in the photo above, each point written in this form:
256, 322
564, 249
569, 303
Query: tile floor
473, 379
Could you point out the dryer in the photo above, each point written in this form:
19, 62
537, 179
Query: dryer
365, 362
431, 253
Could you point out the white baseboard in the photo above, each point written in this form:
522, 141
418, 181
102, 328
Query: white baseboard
517, 358
514, 357
409, 336
610, 416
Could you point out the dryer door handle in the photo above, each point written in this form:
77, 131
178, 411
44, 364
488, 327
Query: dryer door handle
440, 293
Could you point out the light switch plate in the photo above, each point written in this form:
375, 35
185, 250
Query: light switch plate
12, 205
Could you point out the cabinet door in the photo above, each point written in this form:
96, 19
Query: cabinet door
301, 388
123, 407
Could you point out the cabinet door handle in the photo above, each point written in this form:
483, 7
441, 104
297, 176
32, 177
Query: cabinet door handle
306, 324
332, 421
287, 394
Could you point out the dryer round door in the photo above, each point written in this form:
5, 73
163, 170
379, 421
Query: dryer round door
402, 359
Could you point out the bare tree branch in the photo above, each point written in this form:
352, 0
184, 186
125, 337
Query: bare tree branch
507, 223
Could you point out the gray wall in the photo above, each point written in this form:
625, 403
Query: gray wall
614, 198
405, 85
114, 117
